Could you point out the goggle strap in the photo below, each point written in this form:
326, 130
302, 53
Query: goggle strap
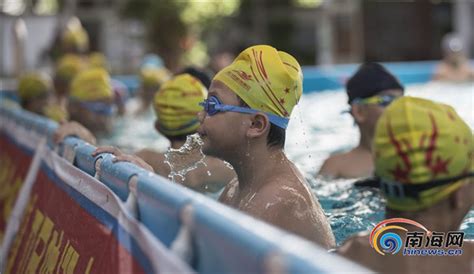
399, 190
279, 121
108, 110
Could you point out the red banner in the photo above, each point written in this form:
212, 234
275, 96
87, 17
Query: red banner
58, 235
14, 164
74, 224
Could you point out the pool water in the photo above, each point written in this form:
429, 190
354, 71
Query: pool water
317, 129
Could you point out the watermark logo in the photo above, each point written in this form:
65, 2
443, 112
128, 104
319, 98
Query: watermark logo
389, 237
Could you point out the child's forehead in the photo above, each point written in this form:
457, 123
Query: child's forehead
217, 87
221, 91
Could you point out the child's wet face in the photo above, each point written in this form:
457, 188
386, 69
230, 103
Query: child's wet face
224, 132
37, 105
454, 57
95, 122
375, 111
148, 93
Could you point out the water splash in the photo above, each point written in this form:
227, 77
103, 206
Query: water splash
228, 165
186, 158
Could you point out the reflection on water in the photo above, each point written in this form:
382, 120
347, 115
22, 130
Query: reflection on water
349, 210
318, 128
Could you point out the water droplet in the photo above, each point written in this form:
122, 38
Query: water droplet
186, 158
209, 173
228, 165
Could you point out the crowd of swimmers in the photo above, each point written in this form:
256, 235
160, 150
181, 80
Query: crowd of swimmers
421, 148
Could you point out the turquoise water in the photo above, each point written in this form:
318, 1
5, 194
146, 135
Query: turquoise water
316, 130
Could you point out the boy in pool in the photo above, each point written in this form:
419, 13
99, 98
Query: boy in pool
92, 101
35, 91
176, 105
243, 122
369, 90
454, 66
74, 45
152, 75
424, 161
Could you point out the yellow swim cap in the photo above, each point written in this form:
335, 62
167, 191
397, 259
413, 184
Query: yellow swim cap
265, 79
98, 60
418, 142
75, 36
91, 85
34, 84
68, 66
56, 113
177, 105
154, 76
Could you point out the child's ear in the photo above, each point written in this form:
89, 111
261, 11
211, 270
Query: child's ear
359, 113
259, 125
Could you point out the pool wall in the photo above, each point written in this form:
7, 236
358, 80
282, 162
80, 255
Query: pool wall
335, 77
319, 78
210, 237
315, 78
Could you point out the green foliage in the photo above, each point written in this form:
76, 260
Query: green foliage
172, 25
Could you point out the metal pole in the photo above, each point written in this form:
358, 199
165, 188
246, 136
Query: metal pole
325, 35
462, 21
2, 42
20, 34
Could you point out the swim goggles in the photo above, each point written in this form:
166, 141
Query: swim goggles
381, 100
213, 105
101, 108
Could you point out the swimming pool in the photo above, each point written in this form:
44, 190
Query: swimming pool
318, 129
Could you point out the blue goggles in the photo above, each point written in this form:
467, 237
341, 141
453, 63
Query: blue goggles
101, 108
380, 100
212, 106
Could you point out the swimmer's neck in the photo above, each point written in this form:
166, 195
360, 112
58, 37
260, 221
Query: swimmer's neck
453, 63
255, 167
366, 140
431, 220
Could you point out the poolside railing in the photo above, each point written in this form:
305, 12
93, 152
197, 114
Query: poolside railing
192, 232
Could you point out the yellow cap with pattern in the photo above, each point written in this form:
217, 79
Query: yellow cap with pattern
154, 76
418, 142
34, 84
75, 36
177, 105
92, 85
265, 79
56, 113
98, 60
69, 66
